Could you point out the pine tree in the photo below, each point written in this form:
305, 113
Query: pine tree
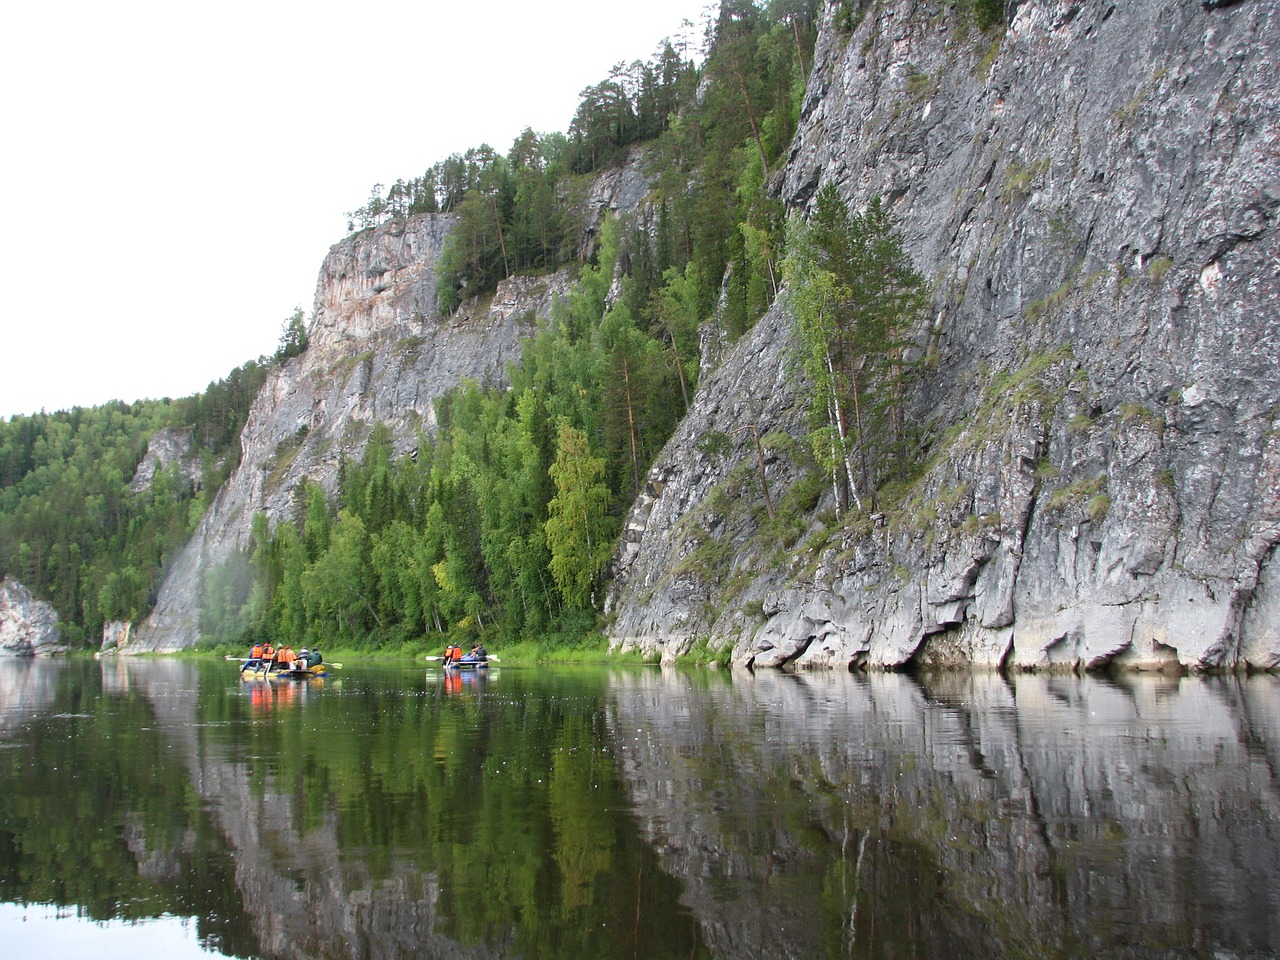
855, 298
293, 336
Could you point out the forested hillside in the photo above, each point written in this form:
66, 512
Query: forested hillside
505, 519
74, 529
712, 136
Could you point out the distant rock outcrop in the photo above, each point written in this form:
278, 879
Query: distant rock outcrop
28, 627
115, 635
1094, 195
168, 445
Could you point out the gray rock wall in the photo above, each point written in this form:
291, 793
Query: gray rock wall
1093, 196
168, 445
28, 627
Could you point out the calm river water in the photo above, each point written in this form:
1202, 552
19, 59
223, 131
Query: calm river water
166, 809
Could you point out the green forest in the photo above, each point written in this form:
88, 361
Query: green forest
503, 523
73, 529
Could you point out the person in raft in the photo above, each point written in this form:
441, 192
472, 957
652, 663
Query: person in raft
255, 657
285, 658
310, 658
478, 654
268, 656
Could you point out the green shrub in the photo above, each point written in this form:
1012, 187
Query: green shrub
1098, 506
988, 12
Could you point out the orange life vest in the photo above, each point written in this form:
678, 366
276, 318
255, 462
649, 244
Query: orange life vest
256, 652
268, 651
285, 656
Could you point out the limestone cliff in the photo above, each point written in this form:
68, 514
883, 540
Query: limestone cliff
28, 627
379, 352
1093, 193
167, 446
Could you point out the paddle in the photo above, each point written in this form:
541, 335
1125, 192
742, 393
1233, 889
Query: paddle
328, 663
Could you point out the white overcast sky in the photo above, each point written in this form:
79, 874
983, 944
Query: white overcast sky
172, 174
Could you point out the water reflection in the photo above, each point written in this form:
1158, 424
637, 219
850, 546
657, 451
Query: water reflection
964, 815
27, 687
648, 813
461, 681
267, 694
33, 930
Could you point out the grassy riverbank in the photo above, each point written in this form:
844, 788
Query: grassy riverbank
553, 649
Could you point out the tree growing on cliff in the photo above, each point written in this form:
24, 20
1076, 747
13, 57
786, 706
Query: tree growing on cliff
578, 529
673, 310
855, 297
293, 336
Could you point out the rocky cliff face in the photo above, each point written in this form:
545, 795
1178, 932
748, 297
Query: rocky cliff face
379, 352
166, 447
1094, 195
28, 627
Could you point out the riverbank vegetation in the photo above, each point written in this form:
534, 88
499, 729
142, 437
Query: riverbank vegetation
74, 526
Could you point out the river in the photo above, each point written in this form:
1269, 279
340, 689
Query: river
165, 808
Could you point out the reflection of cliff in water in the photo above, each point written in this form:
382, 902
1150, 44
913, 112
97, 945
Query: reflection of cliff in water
968, 815
305, 898
27, 686
826, 815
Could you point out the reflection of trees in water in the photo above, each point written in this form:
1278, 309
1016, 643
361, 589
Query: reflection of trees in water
96, 812
962, 814
371, 821
649, 813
